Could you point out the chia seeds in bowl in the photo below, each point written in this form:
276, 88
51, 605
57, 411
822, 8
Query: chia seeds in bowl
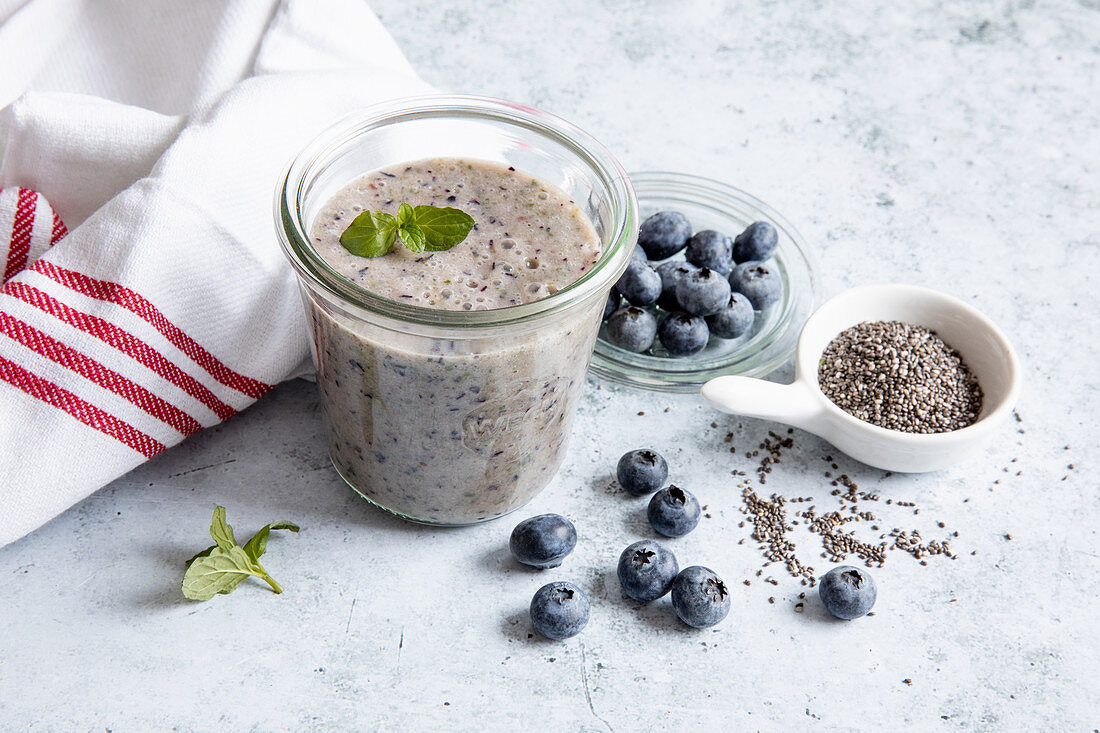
899, 376
769, 343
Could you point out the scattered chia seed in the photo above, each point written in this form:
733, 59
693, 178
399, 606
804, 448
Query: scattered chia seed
771, 525
899, 376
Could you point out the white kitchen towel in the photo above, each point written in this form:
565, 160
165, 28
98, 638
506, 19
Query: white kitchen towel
155, 132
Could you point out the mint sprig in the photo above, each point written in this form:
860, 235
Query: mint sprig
422, 229
221, 567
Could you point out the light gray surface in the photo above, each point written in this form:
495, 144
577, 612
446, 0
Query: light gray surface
952, 145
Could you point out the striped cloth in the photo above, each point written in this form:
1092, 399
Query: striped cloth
144, 295
33, 227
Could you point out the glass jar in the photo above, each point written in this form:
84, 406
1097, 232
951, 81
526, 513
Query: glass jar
442, 416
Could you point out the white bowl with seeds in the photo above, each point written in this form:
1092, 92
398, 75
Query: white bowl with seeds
899, 377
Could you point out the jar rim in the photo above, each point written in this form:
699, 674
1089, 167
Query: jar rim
316, 271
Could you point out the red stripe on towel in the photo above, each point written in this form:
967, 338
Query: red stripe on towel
92, 370
134, 302
59, 230
82, 410
21, 229
122, 340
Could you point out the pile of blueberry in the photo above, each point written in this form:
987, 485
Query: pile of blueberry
647, 569
560, 609
714, 290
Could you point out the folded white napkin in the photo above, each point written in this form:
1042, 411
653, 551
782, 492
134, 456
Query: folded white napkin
155, 131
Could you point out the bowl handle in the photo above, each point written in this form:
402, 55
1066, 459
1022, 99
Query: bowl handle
792, 404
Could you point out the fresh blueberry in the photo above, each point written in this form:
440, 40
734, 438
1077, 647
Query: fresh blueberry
640, 283
646, 570
757, 281
683, 334
670, 273
559, 610
612, 304
702, 292
632, 328
847, 592
639, 253
734, 320
757, 242
543, 541
712, 249
664, 234
673, 512
641, 471
699, 597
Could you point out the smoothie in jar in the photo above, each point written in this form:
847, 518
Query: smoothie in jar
456, 431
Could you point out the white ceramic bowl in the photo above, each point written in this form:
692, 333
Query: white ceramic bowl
983, 347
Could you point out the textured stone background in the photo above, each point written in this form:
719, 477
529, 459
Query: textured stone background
946, 144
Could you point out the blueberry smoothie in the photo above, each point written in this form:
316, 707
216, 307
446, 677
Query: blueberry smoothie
455, 431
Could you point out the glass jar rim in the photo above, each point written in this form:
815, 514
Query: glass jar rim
294, 238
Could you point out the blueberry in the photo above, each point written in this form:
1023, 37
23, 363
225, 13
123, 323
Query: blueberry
612, 304
641, 471
734, 320
639, 253
673, 512
847, 592
683, 334
646, 570
640, 283
759, 282
699, 597
664, 234
757, 242
712, 249
543, 541
702, 292
632, 328
670, 273
559, 610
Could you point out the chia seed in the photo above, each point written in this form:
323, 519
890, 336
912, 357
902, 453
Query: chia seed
899, 376
772, 527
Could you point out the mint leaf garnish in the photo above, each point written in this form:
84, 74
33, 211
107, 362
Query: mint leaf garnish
221, 531
258, 544
413, 237
221, 567
218, 572
371, 234
424, 228
404, 215
442, 227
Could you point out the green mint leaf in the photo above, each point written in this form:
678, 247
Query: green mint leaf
221, 531
219, 572
222, 567
404, 215
444, 227
413, 237
258, 544
229, 588
371, 234
423, 228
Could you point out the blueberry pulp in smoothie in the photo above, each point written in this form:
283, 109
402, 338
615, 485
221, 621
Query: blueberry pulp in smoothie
459, 427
